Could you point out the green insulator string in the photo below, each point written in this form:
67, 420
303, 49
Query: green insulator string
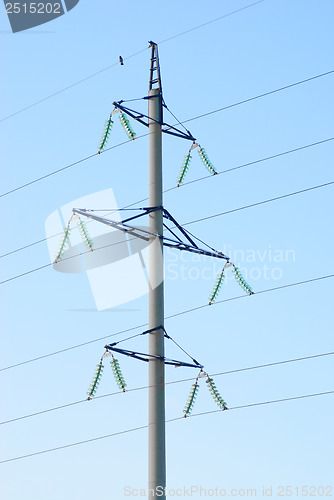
118, 374
127, 126
217, 287
63, 243
215, 394
192, 398
84, 233
242, 282
96, 380
184, 169
105, 134
206, 161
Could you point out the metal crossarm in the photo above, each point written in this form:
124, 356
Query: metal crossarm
146, 357
189, 245
166, 128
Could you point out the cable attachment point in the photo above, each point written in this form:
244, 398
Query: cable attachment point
105, 134
96, 380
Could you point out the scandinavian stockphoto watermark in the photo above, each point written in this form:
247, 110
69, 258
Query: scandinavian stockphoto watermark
27, 14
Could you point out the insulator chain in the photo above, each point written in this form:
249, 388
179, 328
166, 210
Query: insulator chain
105, 134
238, 276
206, 161
192, 398
215, 394
240, 279
84, 233
96, 380
217, 287
184, 169
127, 126
213, 391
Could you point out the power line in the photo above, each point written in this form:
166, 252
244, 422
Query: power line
185, 224
260, 95
264, 403
68, 87
209, 22
259, 203
168, 317
190, 182
61, 169
261, 403
146, 134
74, 403
72, 347
117, 63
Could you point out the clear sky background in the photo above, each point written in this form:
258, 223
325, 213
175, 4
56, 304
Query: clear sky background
254, 51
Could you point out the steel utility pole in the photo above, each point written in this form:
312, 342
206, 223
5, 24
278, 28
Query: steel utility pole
156, 415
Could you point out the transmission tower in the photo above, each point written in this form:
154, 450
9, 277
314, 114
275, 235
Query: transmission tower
158, 235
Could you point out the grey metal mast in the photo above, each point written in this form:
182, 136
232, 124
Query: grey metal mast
156, 414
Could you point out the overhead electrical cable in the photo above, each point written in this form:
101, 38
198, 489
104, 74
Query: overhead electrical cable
269, 200
124, 58
259, 96
261, 403
238, 370
187, 311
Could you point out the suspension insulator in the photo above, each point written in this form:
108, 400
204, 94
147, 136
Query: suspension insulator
242, 282
184, 169
84, 233
206, 161
127, 126
105, 134
118, 374
63, 244
96, 380
191, 399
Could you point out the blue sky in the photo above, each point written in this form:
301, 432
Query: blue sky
259, 49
